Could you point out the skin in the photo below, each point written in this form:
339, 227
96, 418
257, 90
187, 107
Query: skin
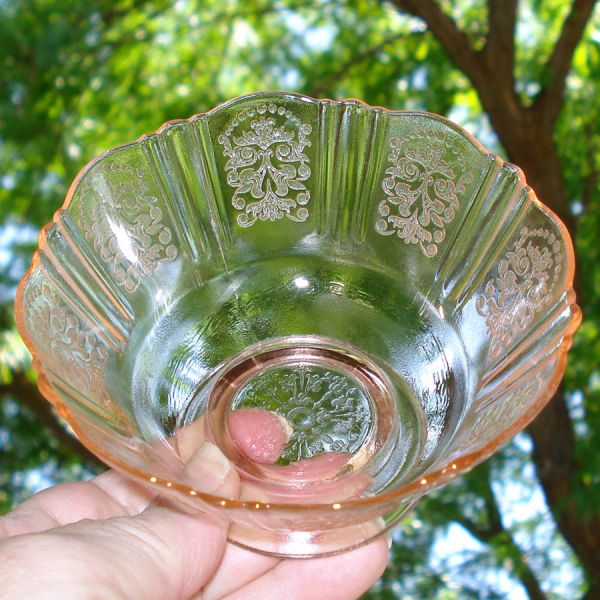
111, 538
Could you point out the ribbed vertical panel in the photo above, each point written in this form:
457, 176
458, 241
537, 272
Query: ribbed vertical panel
212, 209
519, 373
98, 416
453, 248
491, 220
169, 156
325, 167
60, 268
553, 325
78, 256
350, 144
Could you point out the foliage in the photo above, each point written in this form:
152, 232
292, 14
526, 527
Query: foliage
77, 78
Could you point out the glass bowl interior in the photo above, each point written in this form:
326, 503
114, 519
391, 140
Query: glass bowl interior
299, 315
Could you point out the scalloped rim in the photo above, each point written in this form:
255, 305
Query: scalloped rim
412, 490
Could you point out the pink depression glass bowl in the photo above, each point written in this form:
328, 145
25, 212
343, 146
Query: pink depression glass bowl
299, 315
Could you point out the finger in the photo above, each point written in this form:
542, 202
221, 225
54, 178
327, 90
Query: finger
108, 495
189, 438
133, 497
238, 568
259, 434
342, 577
158, 554
205, 468
210, 471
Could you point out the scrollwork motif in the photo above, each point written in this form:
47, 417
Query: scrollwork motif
325, 409
72, 351
131, 237
491, 420
522, 287
267, 166
423, 189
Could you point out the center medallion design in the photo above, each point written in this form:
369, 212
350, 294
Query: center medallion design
326, 409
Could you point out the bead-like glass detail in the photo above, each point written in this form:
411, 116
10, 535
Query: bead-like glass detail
129, 236
423, 189
266, 165
522, 287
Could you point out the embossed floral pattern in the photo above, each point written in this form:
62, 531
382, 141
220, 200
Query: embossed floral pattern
327, 411
266, 165
522, 287
130, 236
423, 188
73, 351
493, 419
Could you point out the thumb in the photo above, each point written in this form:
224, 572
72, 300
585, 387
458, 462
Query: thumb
161, 553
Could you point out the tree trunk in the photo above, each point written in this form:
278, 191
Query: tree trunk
527, 134
529, 144
27, 393
557, 470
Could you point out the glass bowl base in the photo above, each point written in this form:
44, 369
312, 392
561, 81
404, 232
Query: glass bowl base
318, 543
350, 426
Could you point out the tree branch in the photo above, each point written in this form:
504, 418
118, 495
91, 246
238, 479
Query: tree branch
501, 537
496, 535
549, 100
493, 84
323, 86
23, 390
528, 138
500, 46
454, 42
557, 469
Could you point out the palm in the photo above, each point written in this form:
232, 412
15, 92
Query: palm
111, 538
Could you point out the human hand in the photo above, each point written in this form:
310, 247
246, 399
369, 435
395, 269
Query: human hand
111, 538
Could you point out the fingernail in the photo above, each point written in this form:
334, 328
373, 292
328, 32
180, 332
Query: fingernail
388, 539
213, 460
286, 426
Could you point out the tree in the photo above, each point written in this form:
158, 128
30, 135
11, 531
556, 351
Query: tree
527, 133
523, 76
